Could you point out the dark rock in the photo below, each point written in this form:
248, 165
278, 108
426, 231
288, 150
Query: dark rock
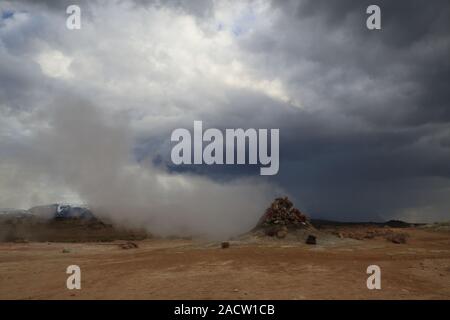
129, 245
398, 238
225, 245
311, 239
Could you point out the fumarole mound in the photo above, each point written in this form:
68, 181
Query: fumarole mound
281, 219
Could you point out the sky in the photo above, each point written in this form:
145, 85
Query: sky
86, 115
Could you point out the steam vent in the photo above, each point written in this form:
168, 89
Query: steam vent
281, 218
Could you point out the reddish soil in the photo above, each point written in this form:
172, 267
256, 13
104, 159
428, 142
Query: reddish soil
260, 269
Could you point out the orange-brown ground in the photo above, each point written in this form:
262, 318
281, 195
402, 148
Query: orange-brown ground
275, 269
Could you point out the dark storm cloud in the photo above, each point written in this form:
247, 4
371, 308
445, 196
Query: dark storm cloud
370, 151
411, 49
337, 170
407, 21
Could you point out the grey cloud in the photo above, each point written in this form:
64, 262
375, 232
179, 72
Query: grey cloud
371, 141
195, 7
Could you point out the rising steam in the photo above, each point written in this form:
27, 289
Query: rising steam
87, 152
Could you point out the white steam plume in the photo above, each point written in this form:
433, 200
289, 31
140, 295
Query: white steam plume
89, 152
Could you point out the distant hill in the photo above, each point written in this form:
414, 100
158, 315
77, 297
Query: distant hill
61, 223
62, 211
320, 223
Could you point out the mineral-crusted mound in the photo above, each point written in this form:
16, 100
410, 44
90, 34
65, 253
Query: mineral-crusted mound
283, 213
282, 219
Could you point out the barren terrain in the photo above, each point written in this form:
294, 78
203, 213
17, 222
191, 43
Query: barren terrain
249, 269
